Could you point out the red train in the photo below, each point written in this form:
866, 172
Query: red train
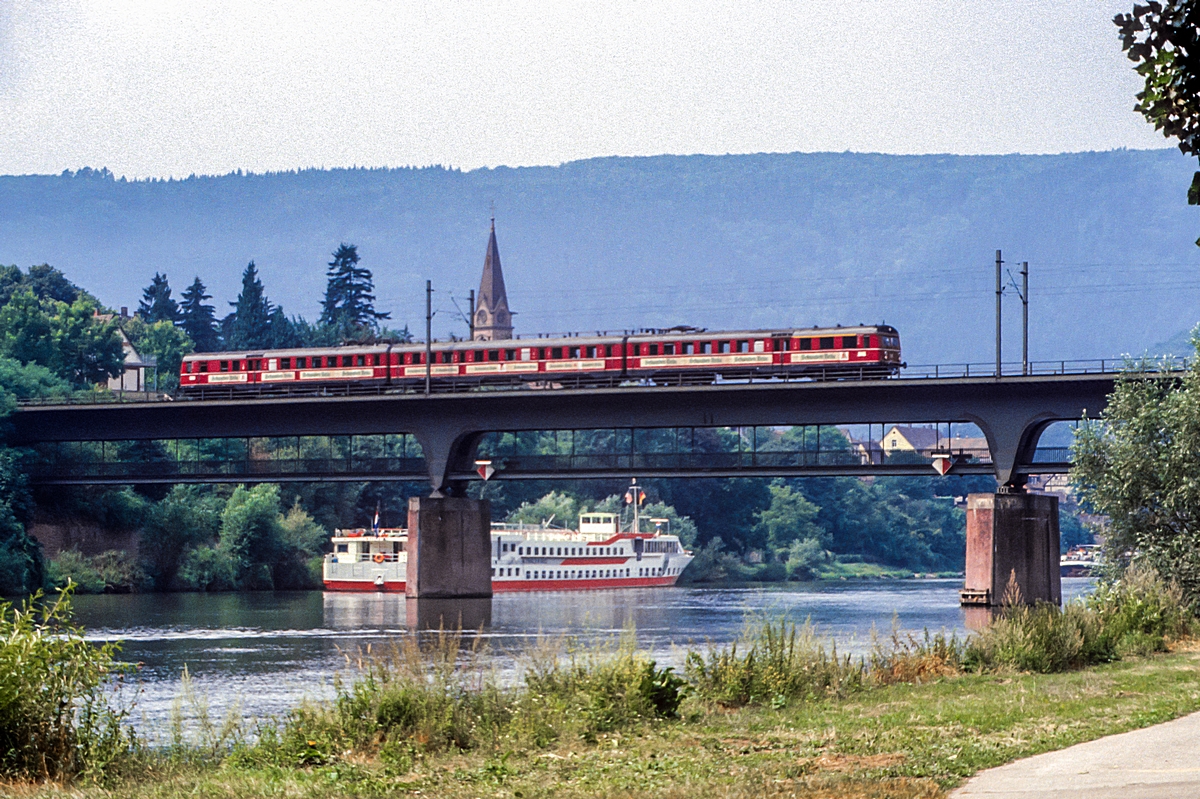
677, 356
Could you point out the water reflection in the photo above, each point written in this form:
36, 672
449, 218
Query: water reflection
261, 653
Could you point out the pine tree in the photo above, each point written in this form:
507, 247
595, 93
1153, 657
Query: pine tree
251, 324
199, 319
349, 306
283, 331
156, 304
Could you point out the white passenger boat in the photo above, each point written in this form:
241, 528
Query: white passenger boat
525, 557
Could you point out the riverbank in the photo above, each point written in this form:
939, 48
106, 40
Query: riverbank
899, 740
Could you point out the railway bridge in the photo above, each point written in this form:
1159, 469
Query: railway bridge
1011, 412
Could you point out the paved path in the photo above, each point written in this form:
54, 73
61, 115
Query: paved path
1158, 761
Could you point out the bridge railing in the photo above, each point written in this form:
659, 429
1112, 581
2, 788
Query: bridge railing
453, 386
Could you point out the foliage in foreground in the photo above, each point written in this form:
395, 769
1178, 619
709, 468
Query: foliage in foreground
1137, 466
56, 721
1134, 615
414, 700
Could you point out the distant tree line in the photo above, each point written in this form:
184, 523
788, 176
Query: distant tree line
170, 329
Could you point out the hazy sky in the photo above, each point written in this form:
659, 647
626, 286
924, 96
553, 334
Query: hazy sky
162, 88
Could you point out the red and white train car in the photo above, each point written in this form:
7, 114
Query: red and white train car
678, 355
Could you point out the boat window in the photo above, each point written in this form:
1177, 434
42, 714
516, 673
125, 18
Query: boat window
343, 547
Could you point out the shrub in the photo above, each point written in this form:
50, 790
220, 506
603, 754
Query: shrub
604, 692
1041, 638
73, 567
56, 721
1139, 612
115, 571
778, 663
206, 569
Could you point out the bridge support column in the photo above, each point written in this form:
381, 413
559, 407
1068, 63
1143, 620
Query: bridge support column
1012, 534
449, 548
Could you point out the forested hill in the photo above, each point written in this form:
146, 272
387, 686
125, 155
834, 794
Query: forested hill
716, 241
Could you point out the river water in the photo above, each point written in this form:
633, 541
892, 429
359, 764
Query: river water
258, 654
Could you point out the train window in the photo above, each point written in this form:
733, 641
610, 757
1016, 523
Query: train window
668, 349
806, 343
510, 355
224, 366
826, 342
725, 346
783, 344
608, 350
743, 346
493, 355
849, 342
706, 348
285, 363
654, 349
689, 348
574, 352
204, 366
360, 360
556, 352
591, 352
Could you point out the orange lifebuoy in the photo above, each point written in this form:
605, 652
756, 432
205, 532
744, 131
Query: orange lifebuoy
379, 558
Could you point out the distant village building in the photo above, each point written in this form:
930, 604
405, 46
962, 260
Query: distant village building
493, 319
137, 369
909, 439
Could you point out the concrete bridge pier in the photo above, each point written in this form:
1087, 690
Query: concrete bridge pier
449, 548
1012, 534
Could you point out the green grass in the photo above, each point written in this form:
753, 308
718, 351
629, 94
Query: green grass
897, 740
838, 570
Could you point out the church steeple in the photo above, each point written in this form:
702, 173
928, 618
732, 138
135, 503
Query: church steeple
493, 320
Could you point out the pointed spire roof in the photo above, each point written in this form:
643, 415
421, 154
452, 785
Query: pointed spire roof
491, 287
493, 320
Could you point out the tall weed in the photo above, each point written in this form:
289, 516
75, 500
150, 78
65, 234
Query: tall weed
57, 720
904, 658
776, 664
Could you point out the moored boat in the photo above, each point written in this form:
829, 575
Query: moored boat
596, 555
1080, 561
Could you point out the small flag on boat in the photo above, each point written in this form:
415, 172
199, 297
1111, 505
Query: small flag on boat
375, 522
628, 497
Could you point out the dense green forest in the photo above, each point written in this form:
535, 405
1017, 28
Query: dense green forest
56, 339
